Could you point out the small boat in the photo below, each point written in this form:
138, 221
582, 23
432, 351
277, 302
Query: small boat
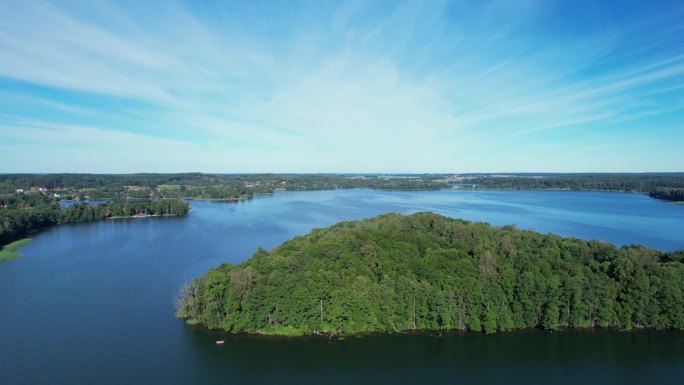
220, 342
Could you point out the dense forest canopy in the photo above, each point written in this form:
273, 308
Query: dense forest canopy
28, 213
668, 194
601, 182
393, 273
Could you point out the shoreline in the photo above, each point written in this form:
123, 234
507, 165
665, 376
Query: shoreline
549, 189
143, 216
9, 251
293, 333
445, 188
218, 199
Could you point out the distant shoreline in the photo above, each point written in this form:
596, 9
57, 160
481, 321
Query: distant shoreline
146, 216
439, 332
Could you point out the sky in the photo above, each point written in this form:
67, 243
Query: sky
351, 86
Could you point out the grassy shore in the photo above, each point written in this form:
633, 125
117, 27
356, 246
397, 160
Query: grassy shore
8, 252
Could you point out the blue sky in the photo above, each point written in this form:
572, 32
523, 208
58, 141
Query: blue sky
352, 86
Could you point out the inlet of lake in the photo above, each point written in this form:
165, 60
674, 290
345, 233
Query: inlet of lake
94, 303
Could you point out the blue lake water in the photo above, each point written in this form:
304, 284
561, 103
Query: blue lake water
93, 303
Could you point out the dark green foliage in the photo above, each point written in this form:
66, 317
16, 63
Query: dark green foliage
425, 271
667, 186
239, 186
20, 221
205, 186
607, 182
668, 194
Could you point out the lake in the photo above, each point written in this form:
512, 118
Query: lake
93, 303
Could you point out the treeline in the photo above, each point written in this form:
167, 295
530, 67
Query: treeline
205, 186
668, 194
605, 182
424, 271
123, 186
241, 186
17, 222
96, 181
26, 200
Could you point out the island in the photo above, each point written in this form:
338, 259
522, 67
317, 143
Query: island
396, 273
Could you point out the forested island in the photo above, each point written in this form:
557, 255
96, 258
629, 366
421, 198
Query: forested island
396, 273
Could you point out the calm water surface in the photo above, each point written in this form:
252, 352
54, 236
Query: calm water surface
93, 303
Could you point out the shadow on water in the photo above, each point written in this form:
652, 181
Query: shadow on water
523, 357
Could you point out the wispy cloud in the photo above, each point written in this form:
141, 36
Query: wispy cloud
354, 86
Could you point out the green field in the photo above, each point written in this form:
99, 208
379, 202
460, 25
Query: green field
175, 187
8, 252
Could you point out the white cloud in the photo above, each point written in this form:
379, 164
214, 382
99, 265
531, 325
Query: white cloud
410, 86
